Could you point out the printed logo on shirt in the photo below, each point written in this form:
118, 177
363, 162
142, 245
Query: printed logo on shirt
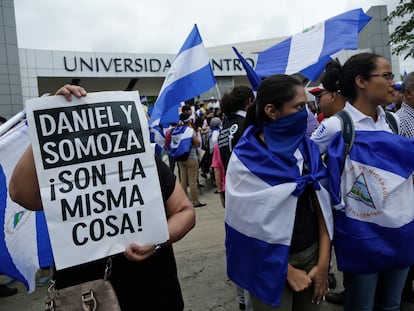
319, 131
360, 192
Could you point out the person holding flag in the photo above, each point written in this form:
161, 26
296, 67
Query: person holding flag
370, 181
278, 217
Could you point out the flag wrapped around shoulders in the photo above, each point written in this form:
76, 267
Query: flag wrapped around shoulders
181, 142
261, 198
309, 51
24, 239
373, 194
189, 76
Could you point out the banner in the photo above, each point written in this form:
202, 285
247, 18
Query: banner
97, 175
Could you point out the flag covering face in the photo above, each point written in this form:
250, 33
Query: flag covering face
309, 51
24, 240
254, 79
189, 76
260, 213
374, 198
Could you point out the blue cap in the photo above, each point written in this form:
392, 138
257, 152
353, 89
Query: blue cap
399, 86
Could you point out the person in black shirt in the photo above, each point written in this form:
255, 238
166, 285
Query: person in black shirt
234, 106
144, 277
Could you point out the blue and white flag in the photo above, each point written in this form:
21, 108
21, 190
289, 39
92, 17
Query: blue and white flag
24, 239
189, 76
261, 197
157, 137
181, 142
373, 195
253, 77
144, 100
309, 51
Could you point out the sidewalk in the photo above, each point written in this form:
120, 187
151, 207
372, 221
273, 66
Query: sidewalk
201, 267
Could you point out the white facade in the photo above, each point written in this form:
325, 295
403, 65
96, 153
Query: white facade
44, 71
26, 73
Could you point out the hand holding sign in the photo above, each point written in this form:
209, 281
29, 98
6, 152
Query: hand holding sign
69, 90
134, 252
97, 175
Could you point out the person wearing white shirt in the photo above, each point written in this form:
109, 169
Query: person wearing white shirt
367, 190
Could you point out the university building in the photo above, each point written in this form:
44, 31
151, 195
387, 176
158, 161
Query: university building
28, 73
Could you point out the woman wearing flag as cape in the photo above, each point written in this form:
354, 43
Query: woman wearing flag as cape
371, 186
278, 216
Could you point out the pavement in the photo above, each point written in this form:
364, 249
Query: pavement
201, 266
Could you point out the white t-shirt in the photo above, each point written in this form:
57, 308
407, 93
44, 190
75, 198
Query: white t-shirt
322, 136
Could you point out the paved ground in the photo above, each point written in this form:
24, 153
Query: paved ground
201, 266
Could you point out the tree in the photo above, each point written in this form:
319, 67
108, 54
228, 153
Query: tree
402, 39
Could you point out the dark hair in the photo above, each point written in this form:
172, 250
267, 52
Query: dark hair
358, 65
184, 116
409, 81
198, 122
186, 108
275, 90
331, 76
3, 119
236, 99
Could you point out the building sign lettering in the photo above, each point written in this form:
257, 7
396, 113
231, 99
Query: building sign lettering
142, 64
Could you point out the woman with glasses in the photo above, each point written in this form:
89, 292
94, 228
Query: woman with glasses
371, 188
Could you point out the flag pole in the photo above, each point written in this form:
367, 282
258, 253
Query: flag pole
218, 92
13, 121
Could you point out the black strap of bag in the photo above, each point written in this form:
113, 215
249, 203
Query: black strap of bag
348, 130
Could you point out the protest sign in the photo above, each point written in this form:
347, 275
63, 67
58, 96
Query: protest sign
97, 175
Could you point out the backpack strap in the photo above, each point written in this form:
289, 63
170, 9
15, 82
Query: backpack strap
391, 121
348, 132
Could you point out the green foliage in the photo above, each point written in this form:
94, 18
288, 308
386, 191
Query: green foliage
402, 39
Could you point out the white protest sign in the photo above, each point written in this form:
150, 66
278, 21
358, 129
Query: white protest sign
97, 175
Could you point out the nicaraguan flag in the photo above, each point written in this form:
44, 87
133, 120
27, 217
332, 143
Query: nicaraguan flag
24, 239
181, 141
157, 136
189, 76
374, 198
309, 51
261, 198
254, 79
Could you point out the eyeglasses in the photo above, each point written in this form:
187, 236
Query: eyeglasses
386, 75
318, 97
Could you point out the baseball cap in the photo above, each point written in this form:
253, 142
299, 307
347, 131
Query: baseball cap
316, 91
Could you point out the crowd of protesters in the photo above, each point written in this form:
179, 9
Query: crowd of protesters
272, 140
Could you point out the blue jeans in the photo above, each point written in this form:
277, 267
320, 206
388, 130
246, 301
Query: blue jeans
377, 291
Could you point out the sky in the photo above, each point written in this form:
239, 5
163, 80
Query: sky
161, 26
